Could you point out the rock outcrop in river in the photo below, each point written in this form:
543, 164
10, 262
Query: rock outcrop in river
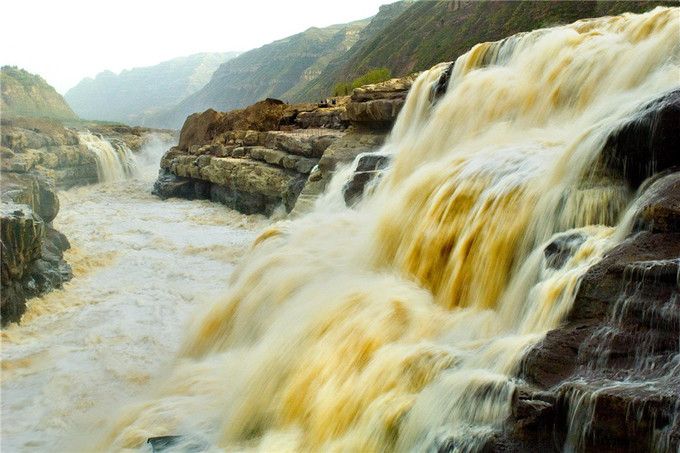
272, 154
37, 157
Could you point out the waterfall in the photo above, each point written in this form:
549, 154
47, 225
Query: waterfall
400, 325
115, 160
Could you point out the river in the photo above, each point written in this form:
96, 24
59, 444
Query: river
141, 266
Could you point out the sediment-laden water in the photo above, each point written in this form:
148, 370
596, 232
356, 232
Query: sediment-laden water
388, 327
141, 267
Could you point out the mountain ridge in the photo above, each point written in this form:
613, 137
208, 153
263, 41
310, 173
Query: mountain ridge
132, 96
29, 95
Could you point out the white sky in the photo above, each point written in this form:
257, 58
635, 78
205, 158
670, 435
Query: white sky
65, 41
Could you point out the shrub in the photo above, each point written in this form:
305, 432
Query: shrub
375, 76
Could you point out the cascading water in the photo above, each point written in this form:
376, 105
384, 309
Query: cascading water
115, 160
400, 325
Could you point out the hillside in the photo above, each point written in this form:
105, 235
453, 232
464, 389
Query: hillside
277, 69
26, 94
134, 95
430, 32
404, 37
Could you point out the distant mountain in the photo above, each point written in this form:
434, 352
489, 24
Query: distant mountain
26, 94
279, 69
430, 32
133, 96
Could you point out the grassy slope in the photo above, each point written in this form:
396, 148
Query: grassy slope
29, 95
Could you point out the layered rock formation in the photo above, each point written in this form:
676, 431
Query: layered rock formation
37, 157
270, 154
371, 111
243, 159
32, 258
45, 147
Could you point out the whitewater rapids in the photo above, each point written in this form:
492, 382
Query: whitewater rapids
141, 266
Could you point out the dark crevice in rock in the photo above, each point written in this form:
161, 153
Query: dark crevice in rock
442, 84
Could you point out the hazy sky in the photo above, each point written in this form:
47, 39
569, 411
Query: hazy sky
65, 41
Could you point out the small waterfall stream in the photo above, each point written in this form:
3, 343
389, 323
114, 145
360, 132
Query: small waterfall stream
115, 160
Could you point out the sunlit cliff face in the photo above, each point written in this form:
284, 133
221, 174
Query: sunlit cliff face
386, 327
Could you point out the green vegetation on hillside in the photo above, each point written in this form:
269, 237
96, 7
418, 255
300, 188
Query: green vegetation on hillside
403, 38
29, 95
430, 32
375, 76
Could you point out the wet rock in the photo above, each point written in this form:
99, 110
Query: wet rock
244, 202
33, 189
368, 172
32, 259
341, 151
648, 143
21, 233
614, 365
353, 189
50, 271
660, 207
373, 161
177, 444
169, 185
561, 249
441, 85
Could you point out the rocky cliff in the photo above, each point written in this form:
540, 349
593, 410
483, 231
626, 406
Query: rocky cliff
267, 155
45, 147
39, 157
253, 160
